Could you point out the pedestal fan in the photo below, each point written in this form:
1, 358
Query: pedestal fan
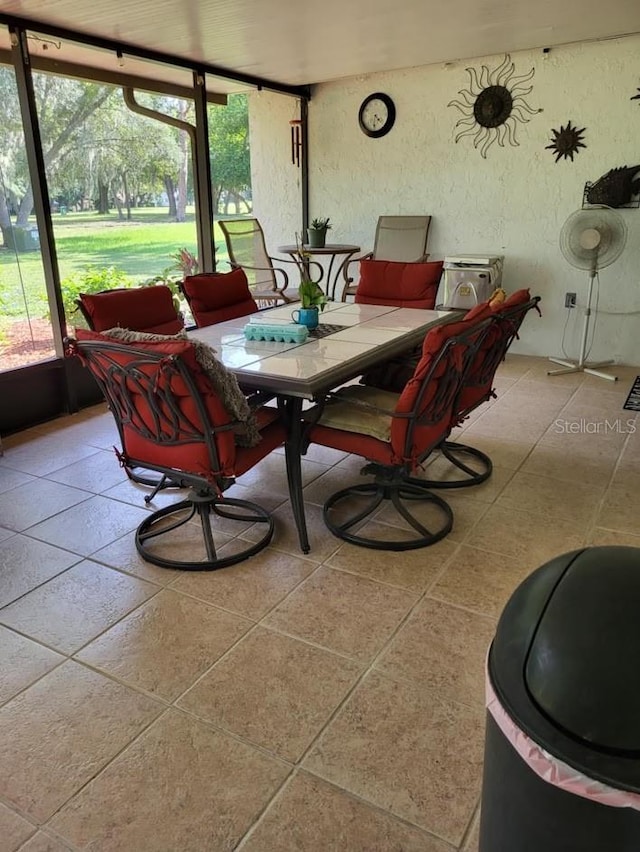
590, 239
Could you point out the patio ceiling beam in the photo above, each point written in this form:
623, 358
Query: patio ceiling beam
116, 78
303, 92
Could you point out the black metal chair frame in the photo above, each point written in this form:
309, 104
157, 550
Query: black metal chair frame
395, 482
170, 422
277, 294
455, 452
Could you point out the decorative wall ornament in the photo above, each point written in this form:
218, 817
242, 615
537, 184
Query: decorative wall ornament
635, 97
615, 189
566, 142
493, 105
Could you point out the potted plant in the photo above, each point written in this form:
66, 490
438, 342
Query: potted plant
312, 301
317, 232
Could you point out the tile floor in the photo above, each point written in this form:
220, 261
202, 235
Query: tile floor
326, 702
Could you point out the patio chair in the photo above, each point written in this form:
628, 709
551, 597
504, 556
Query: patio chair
183, 421
149, 309
246, 247
405, 285
397, 238
396, 432
217, 296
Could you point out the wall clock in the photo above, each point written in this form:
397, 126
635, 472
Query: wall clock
377, 115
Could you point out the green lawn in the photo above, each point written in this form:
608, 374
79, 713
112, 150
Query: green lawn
142, 248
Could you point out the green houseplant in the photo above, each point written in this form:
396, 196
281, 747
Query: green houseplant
317, 232
311, 295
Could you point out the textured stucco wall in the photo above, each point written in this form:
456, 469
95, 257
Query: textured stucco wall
514, 201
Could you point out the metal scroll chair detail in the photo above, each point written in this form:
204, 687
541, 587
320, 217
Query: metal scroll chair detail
398, 238
147, 309
246, 247
172, 420
477, 387
396, 433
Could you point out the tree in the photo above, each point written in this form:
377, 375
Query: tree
229, 146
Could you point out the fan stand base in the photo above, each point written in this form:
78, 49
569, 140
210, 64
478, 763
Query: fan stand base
577, 367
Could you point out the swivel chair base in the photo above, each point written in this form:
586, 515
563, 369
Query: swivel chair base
172, 517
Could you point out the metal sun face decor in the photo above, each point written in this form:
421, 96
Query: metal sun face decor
493, 104
566, 142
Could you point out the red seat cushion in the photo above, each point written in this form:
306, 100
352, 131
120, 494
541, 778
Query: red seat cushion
405, 285
148, 309
217, 296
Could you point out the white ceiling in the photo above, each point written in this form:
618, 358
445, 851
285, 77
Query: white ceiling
307, 42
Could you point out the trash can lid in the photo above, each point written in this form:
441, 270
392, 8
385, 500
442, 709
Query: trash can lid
565, 659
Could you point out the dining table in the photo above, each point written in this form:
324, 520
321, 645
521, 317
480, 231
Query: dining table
350, 339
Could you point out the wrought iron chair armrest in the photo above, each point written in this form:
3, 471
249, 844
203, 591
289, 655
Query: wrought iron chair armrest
367, 256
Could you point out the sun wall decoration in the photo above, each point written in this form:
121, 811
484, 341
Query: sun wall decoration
493, 104
566, 142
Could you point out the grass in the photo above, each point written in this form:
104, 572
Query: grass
142, 248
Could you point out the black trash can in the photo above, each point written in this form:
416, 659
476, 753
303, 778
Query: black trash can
562, 748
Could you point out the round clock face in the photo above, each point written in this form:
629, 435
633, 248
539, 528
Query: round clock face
377, 115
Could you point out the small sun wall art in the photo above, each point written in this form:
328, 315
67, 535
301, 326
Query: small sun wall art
493, 105
566, 142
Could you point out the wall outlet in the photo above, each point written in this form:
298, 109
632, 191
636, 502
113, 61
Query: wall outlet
569, 300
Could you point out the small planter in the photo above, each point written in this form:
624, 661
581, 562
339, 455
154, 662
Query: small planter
317, 237
306, 316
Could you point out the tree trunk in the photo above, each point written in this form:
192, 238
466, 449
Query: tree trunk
5, 221
26, 206
127, 200
171, 195
103, 198
181, 212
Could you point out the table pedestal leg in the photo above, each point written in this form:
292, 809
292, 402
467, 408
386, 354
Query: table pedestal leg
293, 412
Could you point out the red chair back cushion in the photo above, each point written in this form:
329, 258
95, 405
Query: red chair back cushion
217, 297
188, 451
148, 309
405, 285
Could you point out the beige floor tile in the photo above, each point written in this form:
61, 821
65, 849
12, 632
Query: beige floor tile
313, 816
285, 538
442, 470
42, 454
73, 608
12, 478
335, 479
26, 563
529, 390
28, 504
323, 455
553, 461
21, 663
411, 569
185, 544
275, 691
258, 493
530, 540
43, 842
14, 830
96, 473
404, 749
479, 581
473, 840
599, 537
90, 525
94, 427
621, 508
513, 427
123, 555
443, 648
63, 730
344, 613
250, 588
504, 454
515, 366
552, 498
272, 469
203, 790
165, 644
